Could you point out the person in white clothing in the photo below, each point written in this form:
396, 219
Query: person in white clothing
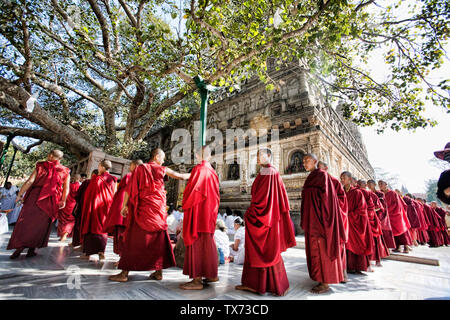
222, 216
222, 240
172, 224
178, 213
229, 221
13, 215
237, 250
4, 221
8, 196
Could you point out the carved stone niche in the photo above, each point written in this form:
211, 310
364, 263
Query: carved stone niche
233, 171
295, 163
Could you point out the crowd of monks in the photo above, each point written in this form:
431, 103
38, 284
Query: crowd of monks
347, 223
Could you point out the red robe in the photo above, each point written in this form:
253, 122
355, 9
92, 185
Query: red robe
441, 214
422, 232
385, 223
77, 212
66, 220
115, 223
147, 245
434, 233
98, 199
360, 231
380, 249
40, 207
413, 216
114, 218
322, 219
268, 232
397, 213
200, 205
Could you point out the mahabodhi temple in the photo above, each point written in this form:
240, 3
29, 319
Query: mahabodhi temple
299, 116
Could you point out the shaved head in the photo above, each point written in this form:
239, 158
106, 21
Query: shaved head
362, 183
155, 152
55, 155
310, 162
322, 165
264, 156
137, 162
106, 164
346, 179
157, 155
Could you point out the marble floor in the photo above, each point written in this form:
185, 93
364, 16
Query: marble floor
57, 272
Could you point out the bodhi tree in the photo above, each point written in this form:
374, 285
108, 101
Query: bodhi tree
103, 72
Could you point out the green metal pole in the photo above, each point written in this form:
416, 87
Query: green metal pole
5, 149
10, 166
201, 85
204, 90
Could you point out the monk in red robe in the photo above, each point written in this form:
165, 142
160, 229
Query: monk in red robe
379, 249
98, 200
383, 216
441, 215
115, 223
344, 208
359, 244
322, 220
413, 217
200, 205
268, 232
398, 217
434, 228
422, 233
46, 192
66, 220
147, 244
77, 212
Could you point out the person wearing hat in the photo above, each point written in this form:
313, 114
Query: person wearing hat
443, 184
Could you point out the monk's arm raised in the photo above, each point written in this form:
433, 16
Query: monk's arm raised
177, 175
26, 185
124, 209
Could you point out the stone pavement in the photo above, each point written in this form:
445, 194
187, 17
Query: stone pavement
51, 274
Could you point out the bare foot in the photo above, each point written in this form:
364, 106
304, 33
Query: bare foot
157, 275
121, 277
245, 288
31, 253
211, 279
16, 254
192, 285
101, 256
320, 288
63, 238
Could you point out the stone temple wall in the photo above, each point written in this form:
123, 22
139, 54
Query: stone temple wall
303, 122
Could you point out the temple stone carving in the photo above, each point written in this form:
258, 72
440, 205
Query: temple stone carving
297, 115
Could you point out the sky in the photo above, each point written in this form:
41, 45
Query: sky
407, 153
